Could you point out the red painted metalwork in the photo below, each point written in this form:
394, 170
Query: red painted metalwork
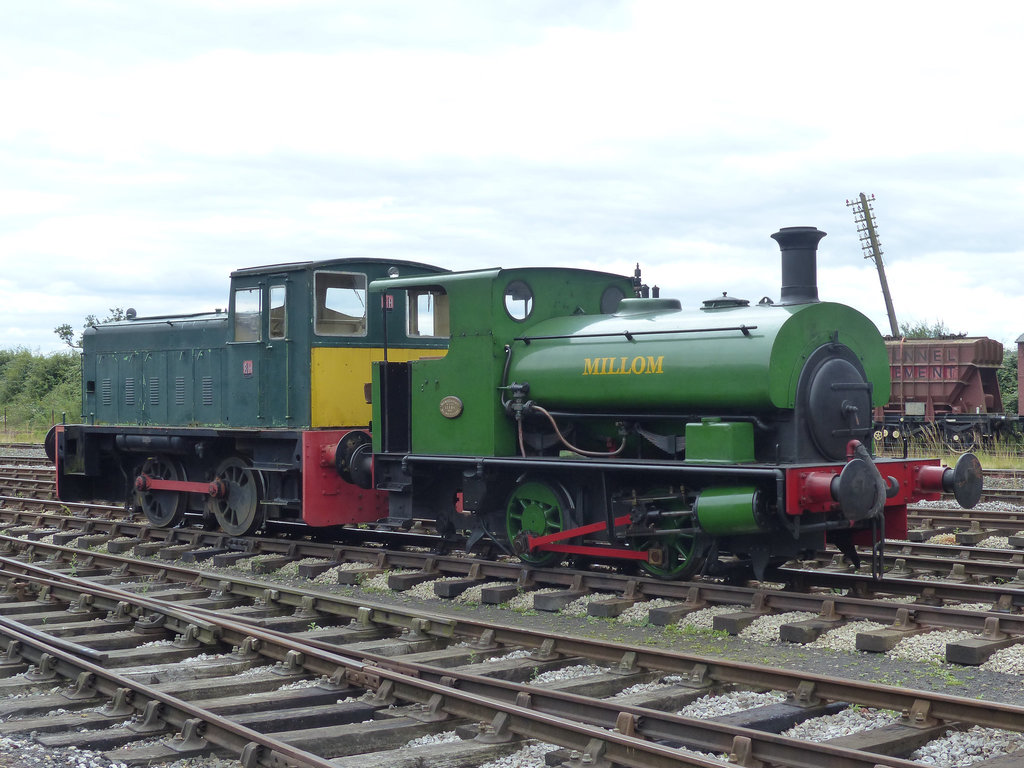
808, 488
326, 498
144, 483
929, 479
579, 549
814, 489
571, 533
547, 543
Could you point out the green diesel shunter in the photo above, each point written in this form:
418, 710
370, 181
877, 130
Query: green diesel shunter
235, 416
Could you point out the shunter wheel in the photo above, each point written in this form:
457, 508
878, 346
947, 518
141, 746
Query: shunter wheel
681, 553
238, 510
536, 508
164, 509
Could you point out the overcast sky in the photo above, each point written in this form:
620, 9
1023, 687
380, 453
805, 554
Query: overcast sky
150, 147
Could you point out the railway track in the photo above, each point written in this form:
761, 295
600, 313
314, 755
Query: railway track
340, 661
25, 460
938, 577
971, 617
974, 600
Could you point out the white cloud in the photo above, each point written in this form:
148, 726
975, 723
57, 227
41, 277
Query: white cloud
144, 155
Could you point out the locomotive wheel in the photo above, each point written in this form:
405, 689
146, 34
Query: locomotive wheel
164, 509
681, 554
238, 510
536, 508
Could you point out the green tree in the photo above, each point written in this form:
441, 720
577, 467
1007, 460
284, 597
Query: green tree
67, 333
925, 330
1007, 376
37, 390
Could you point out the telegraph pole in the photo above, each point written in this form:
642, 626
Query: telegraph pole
864, 218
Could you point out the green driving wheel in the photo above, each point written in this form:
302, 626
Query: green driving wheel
681, 554
535, 508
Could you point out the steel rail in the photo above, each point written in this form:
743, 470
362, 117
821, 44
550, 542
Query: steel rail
10, 503
991, 563
625, 749
527, 710
30, 473
699, 734
1003, 597
114, 520
174, 711
993, 714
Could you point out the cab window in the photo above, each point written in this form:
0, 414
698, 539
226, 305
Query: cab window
247, 314
428, 313
518, 300
278, 312
340, 304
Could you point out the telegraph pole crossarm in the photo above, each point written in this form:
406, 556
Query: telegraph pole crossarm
863, 215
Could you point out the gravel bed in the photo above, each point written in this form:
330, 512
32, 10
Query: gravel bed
958, 749
292, 569
103, 547
569, 673
705, 617
474, 595
727, 703
522, 653
766, 628
379, 583
1009, 661
638, 614
850, 720
984, 506
16, 753
928, 646
523, 602
995, 542
530, 756
434, 738
844, 637
578, 607
329, 578
425, 589
666, 682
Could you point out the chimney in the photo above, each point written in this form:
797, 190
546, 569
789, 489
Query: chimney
799, 246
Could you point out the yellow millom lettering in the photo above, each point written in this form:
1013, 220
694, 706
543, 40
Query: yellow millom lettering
613, 366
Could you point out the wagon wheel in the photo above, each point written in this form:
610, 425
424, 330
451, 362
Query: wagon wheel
164, 509
238, 508
962, 442
536, 508
682, 554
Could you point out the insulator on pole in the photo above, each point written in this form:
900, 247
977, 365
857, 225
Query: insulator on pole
868, 235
